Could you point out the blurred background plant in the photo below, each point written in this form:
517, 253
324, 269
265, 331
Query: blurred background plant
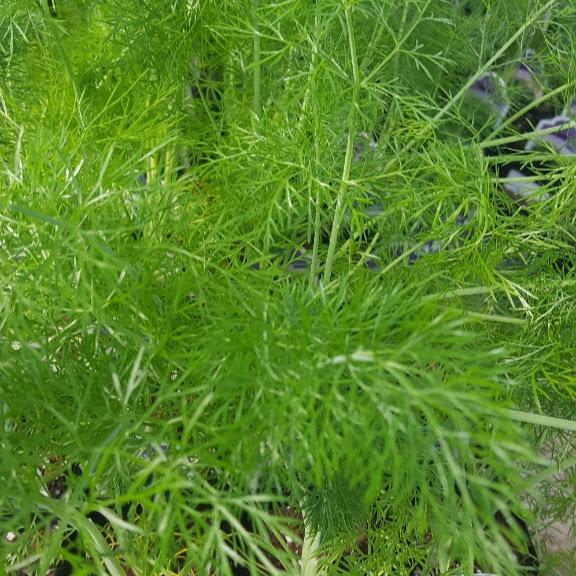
175, 397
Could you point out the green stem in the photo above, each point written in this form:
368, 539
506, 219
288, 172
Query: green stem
541, 420
456, 98
400, 33
396, 51
169, 164
340, 200
499, 53
546, 97
315, 266
526, 135
257, 101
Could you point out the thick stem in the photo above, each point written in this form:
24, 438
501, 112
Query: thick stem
309, 564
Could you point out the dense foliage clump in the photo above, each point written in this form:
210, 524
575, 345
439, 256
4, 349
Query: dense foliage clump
286, 287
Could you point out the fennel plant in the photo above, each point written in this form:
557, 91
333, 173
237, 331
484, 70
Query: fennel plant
266, 307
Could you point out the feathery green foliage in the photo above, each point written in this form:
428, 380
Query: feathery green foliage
157, 161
